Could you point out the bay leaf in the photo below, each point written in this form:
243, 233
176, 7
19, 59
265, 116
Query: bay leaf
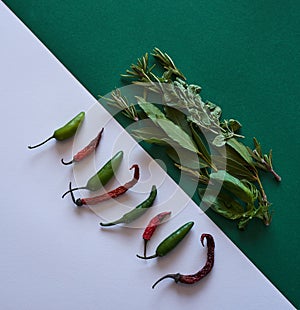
232, 185
178, 118
151, 135
173, 131
186, 158
177, 134
152, 111
233, 167
200, 144
241, 149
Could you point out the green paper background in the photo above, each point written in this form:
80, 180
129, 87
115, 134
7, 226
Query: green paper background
244, 54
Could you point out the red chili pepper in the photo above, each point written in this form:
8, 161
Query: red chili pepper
151, 227
90, 148
191, 279
112, 194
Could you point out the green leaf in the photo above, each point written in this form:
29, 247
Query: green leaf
152, 111
200, 144
178, 118
231, 125
151, 135
222, 204
234, 125
173, 131
219, 140
186, 158
177, 134
235, 168
233, 185
215, 110
240, 149
257, 147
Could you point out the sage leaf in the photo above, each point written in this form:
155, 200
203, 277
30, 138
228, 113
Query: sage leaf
232, 125
219, 140
215, 110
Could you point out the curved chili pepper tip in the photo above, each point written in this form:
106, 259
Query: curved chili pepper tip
174, 276
66, 163
147, 257
78, 201
71, 190
37, 145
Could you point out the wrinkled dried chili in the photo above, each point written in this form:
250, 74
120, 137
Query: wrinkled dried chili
151, 227
86, 151
109, 195
191, 279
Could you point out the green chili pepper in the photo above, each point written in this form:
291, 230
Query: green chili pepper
137, 211
66, 131
169, 243
101, 178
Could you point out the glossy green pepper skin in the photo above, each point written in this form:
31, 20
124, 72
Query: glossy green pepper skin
101, 178
137, 211
105, 173
68, 130
169, 243
172, 240
65, 132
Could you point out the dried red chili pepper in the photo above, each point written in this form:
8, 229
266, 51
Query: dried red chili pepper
87, 150
109, 195
191, 279
151, 227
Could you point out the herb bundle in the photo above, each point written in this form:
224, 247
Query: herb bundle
191, 128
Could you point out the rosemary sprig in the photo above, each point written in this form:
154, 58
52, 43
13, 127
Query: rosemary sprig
168, 64
263, 161
121, 102
141, 71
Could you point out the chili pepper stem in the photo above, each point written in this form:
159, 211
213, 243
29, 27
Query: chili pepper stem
111, 223
78, 201
145, 247
66, 163
174, 276
71, 190
147, 257
37, 145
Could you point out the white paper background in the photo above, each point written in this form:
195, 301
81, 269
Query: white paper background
55, 256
